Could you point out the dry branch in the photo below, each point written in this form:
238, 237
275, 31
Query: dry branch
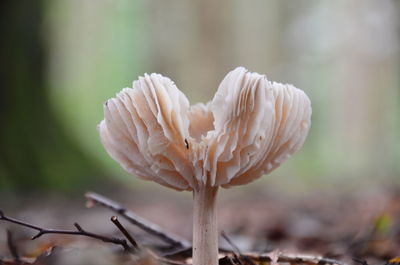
128, 236
79, 232
145, 225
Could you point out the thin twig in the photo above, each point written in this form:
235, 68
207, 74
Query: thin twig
227, 239
128, 236
164, 260
293, 259
80, 232
13, 248
153, 229
234, 247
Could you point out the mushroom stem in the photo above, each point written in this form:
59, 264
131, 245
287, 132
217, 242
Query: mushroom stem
205, 230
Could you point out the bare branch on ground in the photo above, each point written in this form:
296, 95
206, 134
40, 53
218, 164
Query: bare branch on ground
128, 236
80, 232
145, 225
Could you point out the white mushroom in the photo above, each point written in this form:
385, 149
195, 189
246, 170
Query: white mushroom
247, 130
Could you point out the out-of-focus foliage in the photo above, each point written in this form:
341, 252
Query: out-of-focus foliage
343, 54
35, 150
95, 50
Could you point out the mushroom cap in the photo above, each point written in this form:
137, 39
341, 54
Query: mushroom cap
247, 130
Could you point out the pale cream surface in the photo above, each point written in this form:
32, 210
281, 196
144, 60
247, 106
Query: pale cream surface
247, 130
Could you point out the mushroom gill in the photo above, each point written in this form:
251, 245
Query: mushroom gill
248, 129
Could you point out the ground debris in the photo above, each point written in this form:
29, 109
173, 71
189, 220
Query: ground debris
348, 238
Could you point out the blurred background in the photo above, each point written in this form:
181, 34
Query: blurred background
61, 59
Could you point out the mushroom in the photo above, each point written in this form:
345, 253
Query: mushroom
247, 130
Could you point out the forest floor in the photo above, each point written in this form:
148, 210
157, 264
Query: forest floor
322, 227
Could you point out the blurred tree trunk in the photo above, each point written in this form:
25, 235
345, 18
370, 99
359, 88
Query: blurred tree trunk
35, 152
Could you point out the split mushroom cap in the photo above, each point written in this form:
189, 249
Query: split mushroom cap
248, 129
